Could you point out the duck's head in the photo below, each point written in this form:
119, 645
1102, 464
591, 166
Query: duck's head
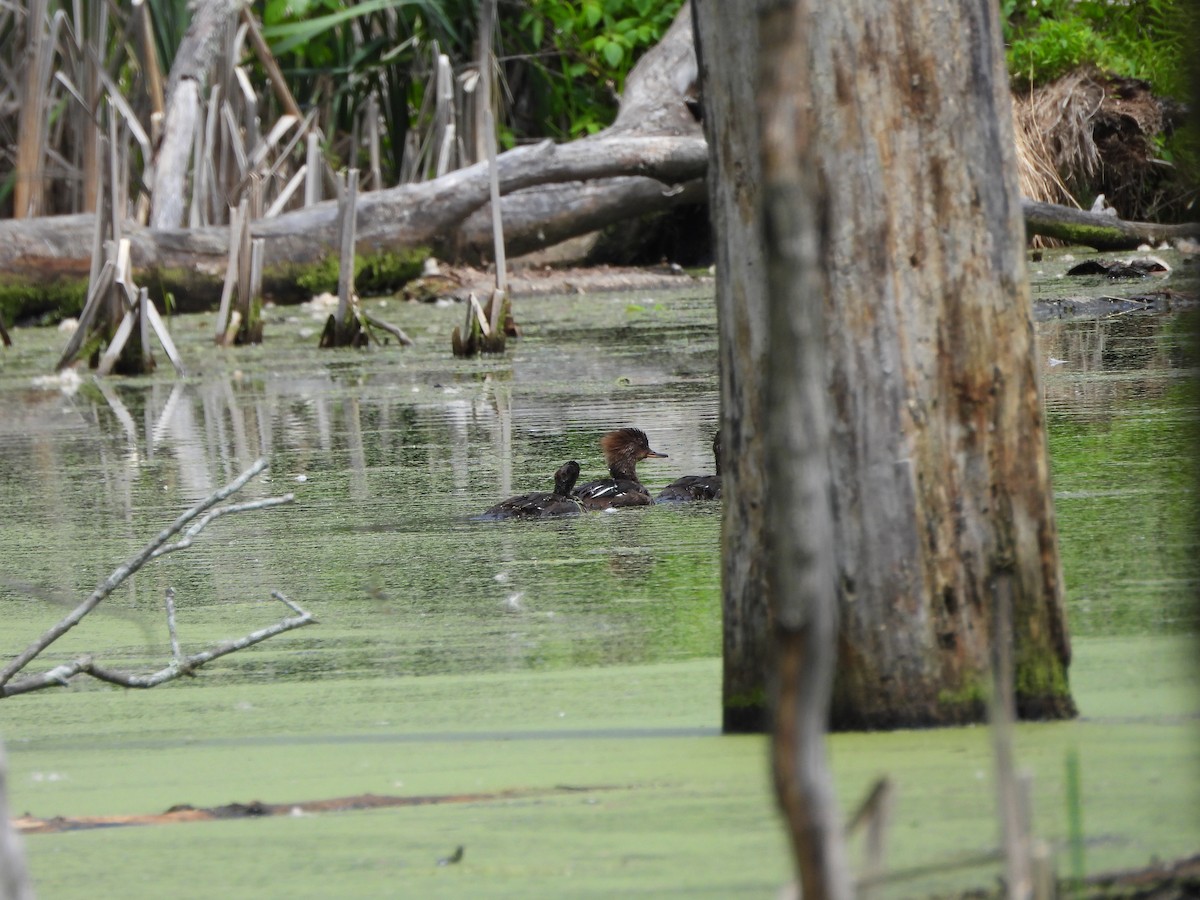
565, 478
717, 450
625, 448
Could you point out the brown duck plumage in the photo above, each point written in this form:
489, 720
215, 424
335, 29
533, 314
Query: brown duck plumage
623, 450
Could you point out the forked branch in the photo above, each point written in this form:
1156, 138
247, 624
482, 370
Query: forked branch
189, 525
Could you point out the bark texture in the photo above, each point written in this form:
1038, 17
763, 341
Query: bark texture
727, 45
939, 451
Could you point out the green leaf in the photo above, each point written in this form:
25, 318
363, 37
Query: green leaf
613, 53
289, 36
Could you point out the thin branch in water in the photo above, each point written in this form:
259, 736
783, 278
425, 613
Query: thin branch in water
131, 565
178, 667
190, 535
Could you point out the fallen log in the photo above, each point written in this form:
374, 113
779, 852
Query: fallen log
1099, 231
191, 263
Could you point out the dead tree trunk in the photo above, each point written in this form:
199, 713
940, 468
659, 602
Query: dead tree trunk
200, 45
727, 43
942, 492
941, 486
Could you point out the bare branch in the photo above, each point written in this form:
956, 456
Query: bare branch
190, 535
179, 666
134, 563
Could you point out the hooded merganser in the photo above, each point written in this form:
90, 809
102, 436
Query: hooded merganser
542, 504
695, 487
623, 450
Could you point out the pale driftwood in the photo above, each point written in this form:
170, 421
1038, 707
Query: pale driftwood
188, 525
174, 156
394, 330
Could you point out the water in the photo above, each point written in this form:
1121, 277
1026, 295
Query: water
388, 453
577, 652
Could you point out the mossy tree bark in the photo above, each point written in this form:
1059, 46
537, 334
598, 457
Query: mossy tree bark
940, 464
941, 489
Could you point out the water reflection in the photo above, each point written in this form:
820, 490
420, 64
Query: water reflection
1122, 413
389, 454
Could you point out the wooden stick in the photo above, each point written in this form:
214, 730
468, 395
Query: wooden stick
1002, 710
98, 293
373, 142
237, 217
394, 330
111, 354
176, 653
14, 876
267, 58
164, 338
286, 194
143, 321
347, 215
312, 161
497, 224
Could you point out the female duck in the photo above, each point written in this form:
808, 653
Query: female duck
623, 450
695, 487
540, 505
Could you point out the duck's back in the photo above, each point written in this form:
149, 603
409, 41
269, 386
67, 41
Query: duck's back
690, 488
610, 493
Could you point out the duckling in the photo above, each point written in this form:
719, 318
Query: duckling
540, 504
695, 487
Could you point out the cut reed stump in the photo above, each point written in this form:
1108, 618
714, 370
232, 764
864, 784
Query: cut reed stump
351, 325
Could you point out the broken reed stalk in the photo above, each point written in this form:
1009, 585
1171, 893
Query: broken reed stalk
190, 524
14, 876
1012, 807
347, 213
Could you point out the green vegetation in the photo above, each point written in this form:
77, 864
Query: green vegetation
581, 52
1150, 40
374, 273
24, 298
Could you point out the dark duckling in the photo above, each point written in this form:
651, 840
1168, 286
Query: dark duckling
623, 450
695, 487
540, 505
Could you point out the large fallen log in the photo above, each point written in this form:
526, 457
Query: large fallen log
636, 175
